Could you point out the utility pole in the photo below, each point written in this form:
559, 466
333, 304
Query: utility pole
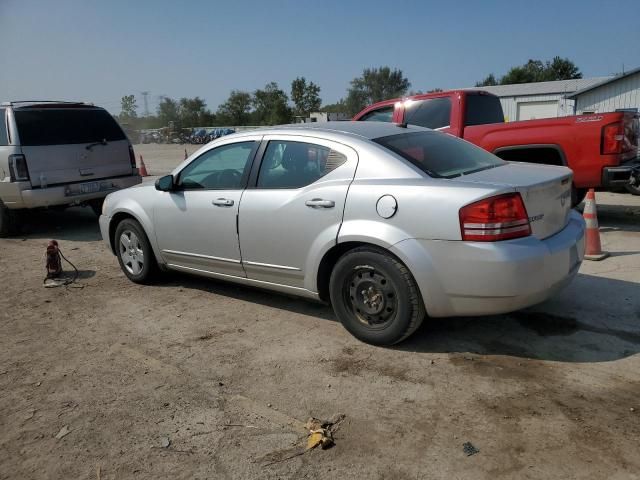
146, 103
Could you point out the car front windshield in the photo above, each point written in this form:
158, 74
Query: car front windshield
439, 154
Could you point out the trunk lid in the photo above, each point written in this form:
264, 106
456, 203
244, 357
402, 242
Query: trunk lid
67, 144
545, 190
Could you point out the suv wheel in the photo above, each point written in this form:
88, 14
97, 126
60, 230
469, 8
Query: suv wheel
6, 221
134, 252
633, 189
96, 206
375, 296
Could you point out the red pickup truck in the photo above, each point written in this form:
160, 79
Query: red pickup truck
601, 149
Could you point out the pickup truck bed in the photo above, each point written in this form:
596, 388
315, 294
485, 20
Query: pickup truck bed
601, 149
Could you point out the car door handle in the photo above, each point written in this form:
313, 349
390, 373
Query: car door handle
320, 203
222, 202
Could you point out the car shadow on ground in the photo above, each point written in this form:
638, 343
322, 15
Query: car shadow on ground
590, 333
73, 224
594, 320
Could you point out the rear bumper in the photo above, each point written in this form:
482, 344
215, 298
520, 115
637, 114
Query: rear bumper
620, 176
63, 194
475, 278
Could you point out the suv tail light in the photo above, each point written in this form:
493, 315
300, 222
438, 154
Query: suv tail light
18, 168
612, 138
132, 157
495, 218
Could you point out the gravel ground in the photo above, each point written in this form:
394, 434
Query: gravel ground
227, 375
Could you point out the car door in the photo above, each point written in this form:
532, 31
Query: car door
196, 225
294, 207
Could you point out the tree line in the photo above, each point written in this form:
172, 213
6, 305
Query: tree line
273, 106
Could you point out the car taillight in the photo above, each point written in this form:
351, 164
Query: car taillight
132, 157
18, 168
495, 218
612, 138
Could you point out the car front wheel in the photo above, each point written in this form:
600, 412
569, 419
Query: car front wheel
134, 252
375, 296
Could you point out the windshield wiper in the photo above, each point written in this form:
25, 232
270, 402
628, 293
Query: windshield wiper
102, 142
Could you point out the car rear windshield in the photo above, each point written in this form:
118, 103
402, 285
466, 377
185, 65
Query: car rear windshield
439, 154
64, 126
483, 109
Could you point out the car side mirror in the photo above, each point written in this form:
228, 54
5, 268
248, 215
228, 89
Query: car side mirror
165, 184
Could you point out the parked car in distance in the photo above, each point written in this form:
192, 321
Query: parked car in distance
56, 154
388, 223
601, 149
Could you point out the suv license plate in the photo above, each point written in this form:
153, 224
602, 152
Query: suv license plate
90, 187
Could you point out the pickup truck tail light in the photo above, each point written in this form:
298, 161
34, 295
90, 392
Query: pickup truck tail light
496, 218
132, 157
612, 138
18, 168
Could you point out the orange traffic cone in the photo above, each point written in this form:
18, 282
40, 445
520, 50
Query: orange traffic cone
185, 154
593, 248
143, 168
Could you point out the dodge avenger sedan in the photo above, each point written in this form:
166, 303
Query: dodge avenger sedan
389, 223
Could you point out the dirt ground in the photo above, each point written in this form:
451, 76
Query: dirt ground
227, 375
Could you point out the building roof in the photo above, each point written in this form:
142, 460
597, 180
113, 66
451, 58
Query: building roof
605, 81
544, 88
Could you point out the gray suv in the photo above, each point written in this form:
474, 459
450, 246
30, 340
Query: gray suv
58, 154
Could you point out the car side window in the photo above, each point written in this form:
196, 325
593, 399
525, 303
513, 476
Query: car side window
288, 164
222, 168
381, 115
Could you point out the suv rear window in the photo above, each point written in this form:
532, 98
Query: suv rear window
64, 126
483, 109
430, 113
440, 155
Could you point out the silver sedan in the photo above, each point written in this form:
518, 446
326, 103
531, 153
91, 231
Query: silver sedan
389, 223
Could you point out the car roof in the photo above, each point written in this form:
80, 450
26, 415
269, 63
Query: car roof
365, 130
23, 104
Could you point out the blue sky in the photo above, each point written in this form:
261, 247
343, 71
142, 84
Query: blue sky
101, 50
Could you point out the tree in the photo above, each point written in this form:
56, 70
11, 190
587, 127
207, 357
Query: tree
375, 85
536, 71
305, 96
194, 113
271, 105
562, 69
339, 107
235, 111
489, 81
128, 108
168, 111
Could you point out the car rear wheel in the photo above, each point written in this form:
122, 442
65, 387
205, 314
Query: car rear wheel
375, 296
577, 196
134, 252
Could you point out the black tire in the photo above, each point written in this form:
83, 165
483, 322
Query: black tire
577, 196
633, 189
7, 221
96, 206
137, 271
395, 309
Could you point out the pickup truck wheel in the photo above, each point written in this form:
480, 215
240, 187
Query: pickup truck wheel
375, 296
134, 252
7, 223
633, 189
577, 196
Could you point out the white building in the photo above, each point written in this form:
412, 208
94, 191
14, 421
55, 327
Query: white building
526, 101
621, 92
